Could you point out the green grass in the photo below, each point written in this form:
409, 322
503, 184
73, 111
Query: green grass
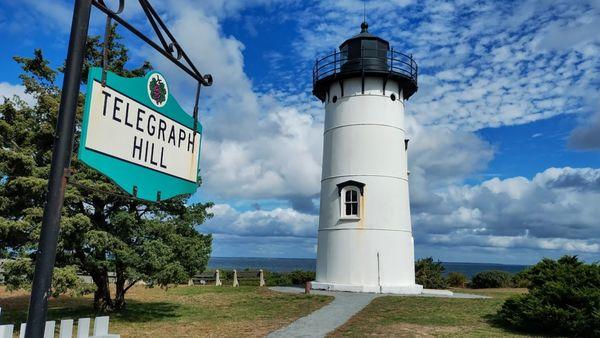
182, 311
421, 316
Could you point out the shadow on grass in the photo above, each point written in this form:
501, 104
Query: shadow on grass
14, 310
496, 321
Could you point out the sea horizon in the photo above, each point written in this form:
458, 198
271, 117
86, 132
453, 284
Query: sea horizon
309, 264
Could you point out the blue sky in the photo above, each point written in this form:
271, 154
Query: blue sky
505, 128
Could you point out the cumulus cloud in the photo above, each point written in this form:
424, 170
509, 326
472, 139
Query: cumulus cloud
9, 90
482, 64
278, 222
556, 209
226, 245
254, 145
586, 136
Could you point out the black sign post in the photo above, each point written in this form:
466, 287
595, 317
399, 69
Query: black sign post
61, 161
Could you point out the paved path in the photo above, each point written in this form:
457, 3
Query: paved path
339, 311
327, 318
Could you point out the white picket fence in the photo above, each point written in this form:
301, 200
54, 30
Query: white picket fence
66, 329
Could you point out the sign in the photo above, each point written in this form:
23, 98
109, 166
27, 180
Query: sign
136, 133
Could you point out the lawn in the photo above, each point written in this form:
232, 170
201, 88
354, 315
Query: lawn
195, 311
421, 316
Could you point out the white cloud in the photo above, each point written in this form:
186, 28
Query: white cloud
279, 222
586, 135
8, 90
556, 210
254, 146
482, 64
226, 245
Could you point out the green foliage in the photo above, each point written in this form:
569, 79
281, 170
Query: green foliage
491, 279
521, 279
296, 277
299, 277
102, 230
456, 279
429, 273
19, 273
563, 299
278, 279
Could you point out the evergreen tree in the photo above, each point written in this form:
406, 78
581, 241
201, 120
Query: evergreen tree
102, 230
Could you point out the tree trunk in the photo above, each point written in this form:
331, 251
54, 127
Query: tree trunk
119, 302
102, 300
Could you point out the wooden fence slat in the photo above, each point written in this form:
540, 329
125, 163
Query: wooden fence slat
83, 328
66, 328
49, 329
101, 326
22, 331
6, 331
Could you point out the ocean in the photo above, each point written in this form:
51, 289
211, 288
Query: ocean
290, 264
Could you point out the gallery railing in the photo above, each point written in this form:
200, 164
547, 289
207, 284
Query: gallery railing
390, 61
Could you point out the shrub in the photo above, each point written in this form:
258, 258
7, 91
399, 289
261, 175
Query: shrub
277, 279
563, 299
429, 273
521, 279
491, 279
18, 274
456, 279
299, 277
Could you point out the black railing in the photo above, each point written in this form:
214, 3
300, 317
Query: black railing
395, 63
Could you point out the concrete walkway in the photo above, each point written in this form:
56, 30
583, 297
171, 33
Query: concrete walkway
340, 310
327, 318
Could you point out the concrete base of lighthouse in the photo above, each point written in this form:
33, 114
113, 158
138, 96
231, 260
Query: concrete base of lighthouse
415, 289
366, 260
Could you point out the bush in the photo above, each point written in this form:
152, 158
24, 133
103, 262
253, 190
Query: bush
18, 274
563, 299
491, 279
277, 279
456, 279
297, 277
429, 273
521, 279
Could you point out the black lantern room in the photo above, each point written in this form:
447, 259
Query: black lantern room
365, 55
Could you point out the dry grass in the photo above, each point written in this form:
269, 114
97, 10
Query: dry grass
198, 311
392, 316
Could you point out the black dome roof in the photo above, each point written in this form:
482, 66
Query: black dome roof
364, 35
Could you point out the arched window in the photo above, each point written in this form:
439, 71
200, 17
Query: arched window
350, 193
351, 203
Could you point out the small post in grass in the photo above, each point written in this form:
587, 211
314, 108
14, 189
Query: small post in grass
235, 279
307, 288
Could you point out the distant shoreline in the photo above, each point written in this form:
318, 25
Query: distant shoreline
309, 264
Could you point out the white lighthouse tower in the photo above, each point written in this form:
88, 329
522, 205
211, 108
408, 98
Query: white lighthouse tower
365, 241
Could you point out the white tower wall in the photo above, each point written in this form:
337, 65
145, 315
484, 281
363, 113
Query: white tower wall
364, 141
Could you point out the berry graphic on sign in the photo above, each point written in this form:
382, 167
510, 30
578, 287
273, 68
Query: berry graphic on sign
158, 90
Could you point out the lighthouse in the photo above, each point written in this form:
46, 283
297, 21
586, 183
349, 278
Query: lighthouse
365, 241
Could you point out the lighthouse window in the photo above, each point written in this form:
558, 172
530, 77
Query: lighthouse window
350, 204
343, 55
369, 48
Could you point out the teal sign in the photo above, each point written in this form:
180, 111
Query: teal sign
136, 133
